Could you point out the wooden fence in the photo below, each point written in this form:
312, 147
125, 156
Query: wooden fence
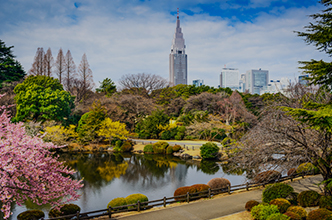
165, 201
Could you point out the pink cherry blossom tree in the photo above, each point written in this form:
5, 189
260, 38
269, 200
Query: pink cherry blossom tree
29, 170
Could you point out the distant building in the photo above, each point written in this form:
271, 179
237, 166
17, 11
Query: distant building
303, 80
229, 77
242, 83
178, 58
198, 82
256, 80
275, 86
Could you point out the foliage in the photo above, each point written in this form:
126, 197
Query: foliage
133, 198
148, 148
148, 128
267, 176
292, 215
112, 129
283, 204
308, 198
209, 167
126, 146
277, 190
120, 201
298, 210
278, 216
181, 191
291, 172
176, 148
320, 214
217, 183
31, 214
250, 204
45, 179
91, 122
325, 202
169, 150
66, 209
209, 150
307, 168
190, 189
160, 147
10, 69
42, 98
60, 135
263, 211
107, 86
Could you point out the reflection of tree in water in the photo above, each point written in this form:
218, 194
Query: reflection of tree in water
209, 167
232, 168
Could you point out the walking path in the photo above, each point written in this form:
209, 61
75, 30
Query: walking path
217, 207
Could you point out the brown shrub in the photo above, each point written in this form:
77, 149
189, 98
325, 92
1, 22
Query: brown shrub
250, 204
291, 172
181, 191
267, 176
191, 189
217, 183
293, 215
198, 188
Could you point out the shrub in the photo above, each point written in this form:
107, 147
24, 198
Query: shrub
325, 202
308, 198
160, 147
298, 210
278, 216
118, 143
133, 198
320, 214
166, 135
120, 201
217, 183
66, 209
283, 204
307, 168
262, 211
126, 146
267, 176
181, 191
169, 150
291, 172
31, 215
292, 215
176, 148
209, 150
275, 191
148, 149
292, 198
250, 204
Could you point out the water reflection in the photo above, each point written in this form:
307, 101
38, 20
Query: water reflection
107, 176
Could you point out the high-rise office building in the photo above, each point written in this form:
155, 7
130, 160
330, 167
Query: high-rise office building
229, 77
198, 82
256, 80
178, 58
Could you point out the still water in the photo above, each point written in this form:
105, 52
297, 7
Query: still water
107, 176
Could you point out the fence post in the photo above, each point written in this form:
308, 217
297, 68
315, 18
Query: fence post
138, 206
187, 197
302, 175
109, 211
209, 193
164, 201
77, 215
193, 147
247, 186
229, 189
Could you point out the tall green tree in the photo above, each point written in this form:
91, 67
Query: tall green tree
42, 98
107, 86
10, 69
149, 127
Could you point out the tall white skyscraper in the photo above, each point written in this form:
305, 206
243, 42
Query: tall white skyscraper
257, 80
178, 58
229, 77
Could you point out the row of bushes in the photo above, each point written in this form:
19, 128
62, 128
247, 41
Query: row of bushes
123, 146
66, 209
161, 147
131, 199
281, 202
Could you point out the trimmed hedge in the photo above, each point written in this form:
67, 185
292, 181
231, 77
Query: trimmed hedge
292, 216
250, 204
320, 214
278, 216
308, 198
325, 202
160, 147
262, 211
217, 183
291, 172
148, 149
283, 204
209, 150
307, 168
120, 201
66, 209
126, 146
277, 190
176, 148
191, 189
31, 215
298, 210
267, 176
133, 198
169, 150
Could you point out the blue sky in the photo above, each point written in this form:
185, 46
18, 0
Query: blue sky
134, 36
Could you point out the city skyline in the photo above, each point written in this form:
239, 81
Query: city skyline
119, 37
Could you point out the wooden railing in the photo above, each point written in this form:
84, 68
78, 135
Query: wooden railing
170, 200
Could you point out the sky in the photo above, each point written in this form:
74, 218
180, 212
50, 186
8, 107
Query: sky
123, 37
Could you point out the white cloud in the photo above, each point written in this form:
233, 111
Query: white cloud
120, 39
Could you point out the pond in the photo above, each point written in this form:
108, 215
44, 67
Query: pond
107, 176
